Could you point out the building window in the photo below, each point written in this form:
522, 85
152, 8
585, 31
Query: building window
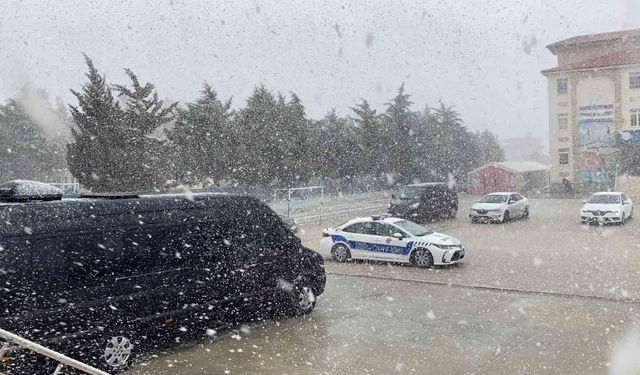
563, 139
564, 156
634, 80
635, 117
563, 121
562, 85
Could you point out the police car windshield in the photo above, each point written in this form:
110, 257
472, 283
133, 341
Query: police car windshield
604, 199
413, 228
408, 192
493, 198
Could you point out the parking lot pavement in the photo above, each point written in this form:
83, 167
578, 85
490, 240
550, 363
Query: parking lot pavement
365, 326
542, 295
549, 252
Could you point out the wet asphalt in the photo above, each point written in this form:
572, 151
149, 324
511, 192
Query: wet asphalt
542, 295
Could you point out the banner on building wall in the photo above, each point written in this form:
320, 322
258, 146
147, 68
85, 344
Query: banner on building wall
625, 136
597, 139
596, 126
598, 166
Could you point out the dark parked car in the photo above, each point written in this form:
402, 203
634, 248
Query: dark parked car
92, 276
424, 202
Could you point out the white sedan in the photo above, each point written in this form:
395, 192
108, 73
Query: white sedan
500, 207
391, 239
606, 207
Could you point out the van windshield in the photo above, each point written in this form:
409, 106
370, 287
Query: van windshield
410, 192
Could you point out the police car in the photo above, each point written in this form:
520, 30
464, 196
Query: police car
391, 239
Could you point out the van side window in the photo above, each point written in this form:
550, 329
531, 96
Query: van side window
86, 260
139, 253
77, 261
48, 261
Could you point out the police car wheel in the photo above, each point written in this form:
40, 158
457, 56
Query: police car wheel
340, 253
422, 258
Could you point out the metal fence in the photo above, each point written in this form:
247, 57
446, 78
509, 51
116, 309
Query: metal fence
13, 341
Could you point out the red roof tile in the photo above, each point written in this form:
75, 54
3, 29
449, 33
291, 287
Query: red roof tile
592, 38
617, 58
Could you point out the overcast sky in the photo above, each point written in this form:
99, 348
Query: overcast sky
484, 57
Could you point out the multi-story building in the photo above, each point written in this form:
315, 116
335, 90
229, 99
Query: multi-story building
594, 105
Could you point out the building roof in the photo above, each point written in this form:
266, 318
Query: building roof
422, 184
516, 166
617, 58
614, 36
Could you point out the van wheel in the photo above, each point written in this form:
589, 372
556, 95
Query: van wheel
118, 353
113, 354
340, 253
303, 300
422, 258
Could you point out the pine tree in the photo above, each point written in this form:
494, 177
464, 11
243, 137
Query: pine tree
294, 133
373, 139
339, 149
96, 156
490, 148
116, 148
400, 123
259, 152
203, 139
143, 120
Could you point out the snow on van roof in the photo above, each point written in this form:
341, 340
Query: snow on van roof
19, 190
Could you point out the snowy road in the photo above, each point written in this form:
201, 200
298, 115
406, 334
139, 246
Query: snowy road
544, 295
384, 327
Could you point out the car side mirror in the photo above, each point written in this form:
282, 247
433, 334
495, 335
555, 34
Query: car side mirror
398, 235
584, 201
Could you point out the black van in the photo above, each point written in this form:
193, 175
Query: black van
92, 276
424, 202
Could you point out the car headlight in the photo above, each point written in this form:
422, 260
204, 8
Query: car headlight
414, 206
615, 212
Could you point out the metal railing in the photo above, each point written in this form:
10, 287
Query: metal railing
12, 341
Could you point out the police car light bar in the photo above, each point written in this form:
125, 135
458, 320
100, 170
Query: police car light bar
379, 217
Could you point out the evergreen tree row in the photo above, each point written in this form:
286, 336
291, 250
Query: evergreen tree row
125, 138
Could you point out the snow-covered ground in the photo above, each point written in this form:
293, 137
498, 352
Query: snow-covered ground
543, 295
